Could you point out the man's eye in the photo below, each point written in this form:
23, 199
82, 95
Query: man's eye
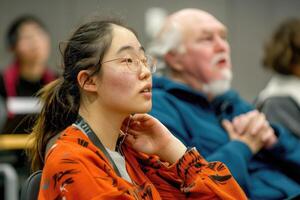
205, 38
224, 37
144, 60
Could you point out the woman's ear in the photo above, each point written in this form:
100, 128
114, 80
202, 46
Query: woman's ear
86, 81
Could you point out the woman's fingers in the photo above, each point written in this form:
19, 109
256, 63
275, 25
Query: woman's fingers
140, 121
130, 139
140, 117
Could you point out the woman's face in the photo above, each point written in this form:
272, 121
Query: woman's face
125, 86
33, 44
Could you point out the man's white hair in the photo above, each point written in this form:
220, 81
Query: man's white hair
171, 34
168, 39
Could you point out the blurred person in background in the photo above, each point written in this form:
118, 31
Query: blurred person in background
280, 99
195, 101
28, 40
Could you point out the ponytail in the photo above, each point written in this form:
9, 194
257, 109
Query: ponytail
60, 109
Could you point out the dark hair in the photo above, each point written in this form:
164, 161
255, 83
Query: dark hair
12, 34
61, 98
282, 52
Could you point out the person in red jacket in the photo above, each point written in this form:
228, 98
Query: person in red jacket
93, 139
29, 42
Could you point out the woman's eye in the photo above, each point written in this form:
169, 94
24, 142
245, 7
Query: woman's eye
129, 60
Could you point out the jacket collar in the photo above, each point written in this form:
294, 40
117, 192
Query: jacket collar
185, 92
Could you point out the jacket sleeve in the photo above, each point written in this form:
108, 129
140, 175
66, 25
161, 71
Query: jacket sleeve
285, 152
71, 179
236, 155
287, 149
194, 177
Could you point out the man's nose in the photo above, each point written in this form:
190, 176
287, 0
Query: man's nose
221, 44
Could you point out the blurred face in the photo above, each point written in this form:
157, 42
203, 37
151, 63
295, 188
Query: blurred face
125, 83
33, 45
207, 52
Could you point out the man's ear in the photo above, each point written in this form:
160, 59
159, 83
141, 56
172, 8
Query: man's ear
86, 81
173, 60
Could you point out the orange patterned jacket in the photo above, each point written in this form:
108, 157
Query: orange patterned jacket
76, 169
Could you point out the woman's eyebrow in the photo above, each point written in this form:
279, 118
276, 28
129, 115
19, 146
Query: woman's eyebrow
128, 47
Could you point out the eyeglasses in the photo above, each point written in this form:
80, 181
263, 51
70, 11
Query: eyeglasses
134, 63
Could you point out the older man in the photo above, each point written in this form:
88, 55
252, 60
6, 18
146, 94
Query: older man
195, 102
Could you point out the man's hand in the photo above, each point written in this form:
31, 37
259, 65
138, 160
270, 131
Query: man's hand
253, 129
254, 142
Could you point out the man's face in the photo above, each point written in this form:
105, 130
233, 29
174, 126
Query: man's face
207, 52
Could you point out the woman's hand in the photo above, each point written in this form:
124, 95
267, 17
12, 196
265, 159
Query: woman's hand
146, 134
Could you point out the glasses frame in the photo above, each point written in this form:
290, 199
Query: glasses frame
151, 68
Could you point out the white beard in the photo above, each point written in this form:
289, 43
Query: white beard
218, 87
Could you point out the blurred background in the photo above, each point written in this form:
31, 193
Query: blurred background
249, 24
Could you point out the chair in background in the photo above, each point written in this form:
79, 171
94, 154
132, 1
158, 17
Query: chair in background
31, 187
11, 182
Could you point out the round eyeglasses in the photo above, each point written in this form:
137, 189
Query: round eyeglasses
134, 63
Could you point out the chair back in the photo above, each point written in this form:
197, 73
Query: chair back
31, 187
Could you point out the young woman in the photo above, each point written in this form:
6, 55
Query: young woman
92, 139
